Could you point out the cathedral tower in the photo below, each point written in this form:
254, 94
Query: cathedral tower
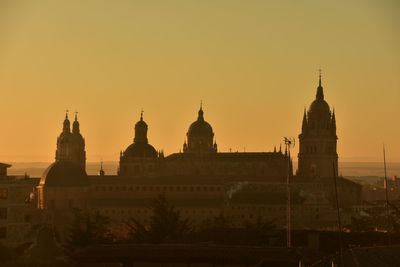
71, 145
318, 141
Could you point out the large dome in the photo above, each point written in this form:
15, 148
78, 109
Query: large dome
200, 127
200, 136
141, 150
64, 173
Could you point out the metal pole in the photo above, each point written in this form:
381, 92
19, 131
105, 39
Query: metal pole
387, 199
288, 143
289, 221
338, 214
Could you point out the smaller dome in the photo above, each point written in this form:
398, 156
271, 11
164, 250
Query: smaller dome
141, 131
319, 115
141, 123
64, 173
319, 106
140, 149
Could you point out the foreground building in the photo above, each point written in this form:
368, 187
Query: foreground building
18, 209
201, 181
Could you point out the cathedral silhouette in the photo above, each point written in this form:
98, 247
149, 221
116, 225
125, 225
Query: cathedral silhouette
201, 181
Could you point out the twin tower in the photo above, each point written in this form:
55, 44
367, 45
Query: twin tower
71, 145
317, 153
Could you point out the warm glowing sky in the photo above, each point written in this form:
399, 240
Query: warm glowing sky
253, 63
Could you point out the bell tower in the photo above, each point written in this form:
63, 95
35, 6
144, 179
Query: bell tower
318, 140
78, 144
71, 145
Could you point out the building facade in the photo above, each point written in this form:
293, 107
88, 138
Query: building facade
18, 209
203, 182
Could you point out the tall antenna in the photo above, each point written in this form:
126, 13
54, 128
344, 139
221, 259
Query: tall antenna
289, 142
387, 198
339, 222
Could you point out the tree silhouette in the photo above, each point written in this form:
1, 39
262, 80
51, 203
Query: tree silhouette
166, 225
219, 221
87, 229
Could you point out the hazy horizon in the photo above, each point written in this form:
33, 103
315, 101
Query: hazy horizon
253, 64
348, 169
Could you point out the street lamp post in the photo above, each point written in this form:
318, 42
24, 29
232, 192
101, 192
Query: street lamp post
289, 142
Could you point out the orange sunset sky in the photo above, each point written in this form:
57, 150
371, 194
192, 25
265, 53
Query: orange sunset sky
253, 63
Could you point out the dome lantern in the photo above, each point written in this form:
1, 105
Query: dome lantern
140, 147
141, 130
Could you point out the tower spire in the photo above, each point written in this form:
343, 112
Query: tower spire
201, 112
66, 124
304, 125
333, 122
320, 74
320, 89
141, 114
75, 125
101, 172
